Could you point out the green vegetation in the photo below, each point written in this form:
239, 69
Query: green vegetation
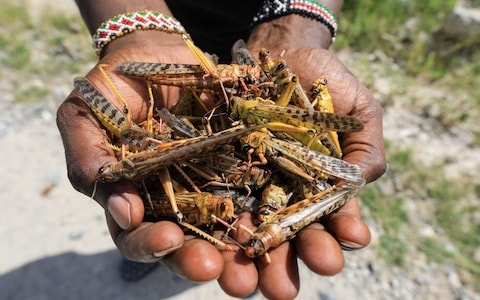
14, 21
403, 30
454, 205
43, 49
390, 213
460, 221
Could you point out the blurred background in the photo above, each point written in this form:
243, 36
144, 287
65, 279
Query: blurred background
419, 58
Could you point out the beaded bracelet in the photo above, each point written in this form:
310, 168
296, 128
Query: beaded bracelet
123, 24
307, 8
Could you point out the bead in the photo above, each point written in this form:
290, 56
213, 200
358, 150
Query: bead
307, 8
123, 24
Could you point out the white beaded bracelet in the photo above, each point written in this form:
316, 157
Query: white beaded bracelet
123, 24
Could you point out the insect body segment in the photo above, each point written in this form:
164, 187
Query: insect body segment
106, 112
259, 110
198, 208
112, 118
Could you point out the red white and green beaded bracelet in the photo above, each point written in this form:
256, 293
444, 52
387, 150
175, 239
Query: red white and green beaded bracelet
123, 24
308, 8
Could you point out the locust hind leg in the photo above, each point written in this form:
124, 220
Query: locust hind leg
166, 182
207, 64
208, 237
117, 92
151, 104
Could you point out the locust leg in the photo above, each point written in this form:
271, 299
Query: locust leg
322, 101
117, 92
208, 237
151, 104
206, 63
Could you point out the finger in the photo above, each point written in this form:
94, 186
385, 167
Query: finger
347, 226
148, 242
240, 277
365, 148
350, 97
197, 261
279, 278
245, 227
122, 202
319, 250
84, 143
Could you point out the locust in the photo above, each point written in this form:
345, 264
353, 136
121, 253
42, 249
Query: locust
223, 169
115, 120
313, 162
229, 171
285, 224
273, 200
145, 163
316, 130
288, 90
179, 126
323, 101
205, 76
261, 111
198, 208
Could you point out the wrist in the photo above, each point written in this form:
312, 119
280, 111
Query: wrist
290, 32
95, 12
297, 23
127, 23
145, 39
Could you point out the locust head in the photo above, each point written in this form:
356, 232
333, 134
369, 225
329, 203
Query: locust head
268, 235
115, 171
255, 248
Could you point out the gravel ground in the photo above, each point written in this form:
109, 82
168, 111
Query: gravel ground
55, 244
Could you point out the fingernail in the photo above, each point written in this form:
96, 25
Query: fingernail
350, 246
166, 251
119, 208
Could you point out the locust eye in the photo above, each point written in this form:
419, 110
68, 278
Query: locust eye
264, 53
281, 65
223, 207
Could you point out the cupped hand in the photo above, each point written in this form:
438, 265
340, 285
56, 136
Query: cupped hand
86, 151
320, 244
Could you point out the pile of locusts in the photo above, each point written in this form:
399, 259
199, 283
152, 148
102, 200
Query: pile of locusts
266, 147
